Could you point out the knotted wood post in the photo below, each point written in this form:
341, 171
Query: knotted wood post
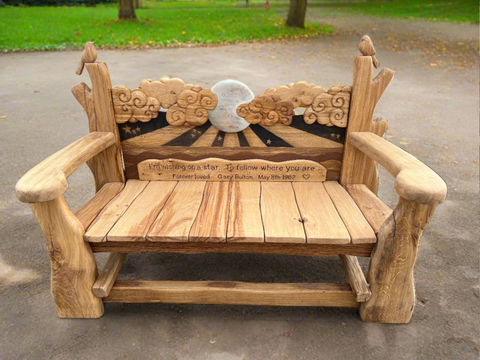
73, 265
98, 104
357, 168
391, 268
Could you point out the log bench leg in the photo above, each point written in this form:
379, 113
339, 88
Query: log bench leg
74, 269
391, 268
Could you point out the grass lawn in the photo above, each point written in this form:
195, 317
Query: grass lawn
50, 28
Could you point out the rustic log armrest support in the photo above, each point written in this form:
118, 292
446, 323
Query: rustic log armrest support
390, 274
414, 181
48, 180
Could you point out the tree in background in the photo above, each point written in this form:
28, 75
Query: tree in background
296, 13
126, 10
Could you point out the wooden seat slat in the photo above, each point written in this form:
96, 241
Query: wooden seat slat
175, 220
136, 221
358, 227
248, 212
245, 219
323, 224
374, 209
212, 218
281, 219
98, 230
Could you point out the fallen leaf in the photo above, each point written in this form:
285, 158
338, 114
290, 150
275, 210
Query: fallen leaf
404, 143
3, 117
433, 64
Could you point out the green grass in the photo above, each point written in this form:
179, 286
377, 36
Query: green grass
437, 10
49, 28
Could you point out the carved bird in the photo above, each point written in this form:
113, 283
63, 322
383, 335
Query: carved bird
89, 55
367, 49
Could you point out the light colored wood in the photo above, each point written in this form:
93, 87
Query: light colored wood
73, 265
391, 268
356, 277
300, 94
113, 211
48, 180
231, 140
253, 139
133, 105
233, 247
231, 292
330, 108
367, 49
357, 168
89, 55
245, 218
414, 181
375, 210
84, 96
108, 275
192, 107
266, 110
212, 217
166, 90
322, 223
177, 216
358, 227
89, 211
106, 166
282, 222
214, 169
136, 221
206, 140
133, 154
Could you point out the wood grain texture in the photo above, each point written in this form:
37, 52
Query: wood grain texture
375, 210
133, 105
414, 181
133, 155
214, 169
299, 138
107, 166
322, 223
358, 227
245, 218
232, 247
101, 288
136, 221
212, 218
89, 211
113, 211
72, 262
230, 292
357, 168
391, 268
282, 222
175, 220
266, 110
84, 96
253, 139
48, 180
89, 55
330, 108
356, 277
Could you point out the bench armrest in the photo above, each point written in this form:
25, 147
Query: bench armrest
48, 180
414, 180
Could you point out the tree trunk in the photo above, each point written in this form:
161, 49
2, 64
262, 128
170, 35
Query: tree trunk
296, 13
126, 11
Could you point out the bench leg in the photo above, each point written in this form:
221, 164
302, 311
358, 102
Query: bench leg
391, 268
73, 265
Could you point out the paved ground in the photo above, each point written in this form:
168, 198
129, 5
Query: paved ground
432, 109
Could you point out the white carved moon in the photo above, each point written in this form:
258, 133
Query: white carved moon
230, 94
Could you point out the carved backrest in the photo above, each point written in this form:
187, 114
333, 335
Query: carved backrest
271, 131
169, 119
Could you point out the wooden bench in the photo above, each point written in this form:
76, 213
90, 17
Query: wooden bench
179, 168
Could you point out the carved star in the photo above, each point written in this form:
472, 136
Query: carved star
219, 138
138, 129
127, 129
193, 135
269, 142
134, 131
195, 131
338, 136
332, 136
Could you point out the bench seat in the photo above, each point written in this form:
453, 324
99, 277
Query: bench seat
249, 212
